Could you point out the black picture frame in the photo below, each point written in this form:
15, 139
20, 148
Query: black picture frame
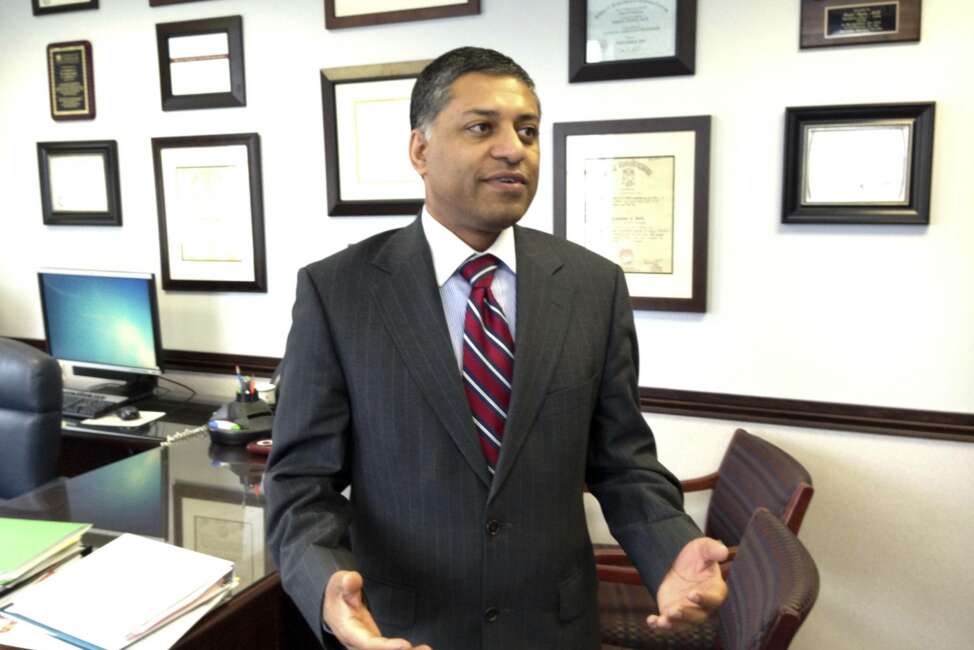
838, 23
55, 214
71, 81
683, 61
802, 123
331, 79
447, 10
78, 5
694, 198
161, 3
205, 274
232, 26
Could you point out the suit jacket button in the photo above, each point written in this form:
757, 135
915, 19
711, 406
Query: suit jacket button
492, 614
493, 527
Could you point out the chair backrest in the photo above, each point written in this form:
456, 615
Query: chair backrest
756, 474
30, 417
771, 588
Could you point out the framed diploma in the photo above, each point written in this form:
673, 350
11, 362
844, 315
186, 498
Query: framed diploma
79, 183
71, 81
211, 215
865, 164
42, 7
357, 13
366, 116
223, 522
826, 23
636, 192
201, 63
627, 39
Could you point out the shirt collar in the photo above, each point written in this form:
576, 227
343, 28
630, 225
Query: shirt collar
449, 251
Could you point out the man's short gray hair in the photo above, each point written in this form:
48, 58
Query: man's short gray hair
432, 90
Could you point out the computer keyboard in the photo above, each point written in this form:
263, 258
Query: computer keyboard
86, 404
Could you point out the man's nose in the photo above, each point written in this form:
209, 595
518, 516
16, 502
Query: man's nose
508, 145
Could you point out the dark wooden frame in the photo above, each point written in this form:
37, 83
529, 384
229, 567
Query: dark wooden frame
232, 26
89, 81
252, 142
160, 3
469, 7
40, 11
700, 125
917, 210
811, 29
109, 152
330, 78
683, 62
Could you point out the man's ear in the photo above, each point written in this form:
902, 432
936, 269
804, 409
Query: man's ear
417, 151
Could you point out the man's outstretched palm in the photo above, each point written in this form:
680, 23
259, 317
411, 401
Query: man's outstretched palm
693, 588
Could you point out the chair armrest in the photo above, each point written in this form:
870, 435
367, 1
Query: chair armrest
699, 483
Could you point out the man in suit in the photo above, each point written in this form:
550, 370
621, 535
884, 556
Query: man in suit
468, 406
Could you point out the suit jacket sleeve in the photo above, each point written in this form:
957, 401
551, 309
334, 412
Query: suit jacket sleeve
642, 501
307, 516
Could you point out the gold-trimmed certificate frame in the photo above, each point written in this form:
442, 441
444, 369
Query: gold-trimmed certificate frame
71, 81
637, 192
858, 164
359, 13
366, 126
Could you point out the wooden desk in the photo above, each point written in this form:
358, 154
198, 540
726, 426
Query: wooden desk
83, 451
177, 493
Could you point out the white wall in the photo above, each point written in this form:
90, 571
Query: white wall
872, 315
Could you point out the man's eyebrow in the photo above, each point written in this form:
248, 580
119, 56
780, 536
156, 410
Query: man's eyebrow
486, 112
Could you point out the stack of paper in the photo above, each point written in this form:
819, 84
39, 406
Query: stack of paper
122, 592
30, 547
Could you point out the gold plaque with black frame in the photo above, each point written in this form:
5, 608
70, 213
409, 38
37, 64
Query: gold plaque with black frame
827, 23
71, 81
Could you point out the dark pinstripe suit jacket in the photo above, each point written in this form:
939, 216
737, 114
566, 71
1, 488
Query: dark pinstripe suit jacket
373, 398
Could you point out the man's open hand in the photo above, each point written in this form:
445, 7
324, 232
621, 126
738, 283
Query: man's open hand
693, 588
345, 614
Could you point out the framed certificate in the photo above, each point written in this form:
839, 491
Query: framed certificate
79, 183
627, 39
201, 63
71, 81
41, 7
826, 23
357, 13
366, 115
211, 215
864, 164
636, 192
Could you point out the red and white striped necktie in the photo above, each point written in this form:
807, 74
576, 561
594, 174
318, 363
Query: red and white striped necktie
488, 357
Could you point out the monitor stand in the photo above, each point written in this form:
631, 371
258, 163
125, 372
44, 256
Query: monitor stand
134, 386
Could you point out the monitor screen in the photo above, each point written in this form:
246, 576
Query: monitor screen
102, 320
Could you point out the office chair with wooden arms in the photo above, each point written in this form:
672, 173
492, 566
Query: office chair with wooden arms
753, 474
30, 418
771, 588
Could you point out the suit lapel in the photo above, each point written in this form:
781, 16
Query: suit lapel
543, 311
410, 304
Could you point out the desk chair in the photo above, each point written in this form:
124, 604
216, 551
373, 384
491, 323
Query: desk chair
753, 474
30, 417
771, 589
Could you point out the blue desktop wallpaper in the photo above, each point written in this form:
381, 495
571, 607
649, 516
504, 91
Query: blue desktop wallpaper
100, 319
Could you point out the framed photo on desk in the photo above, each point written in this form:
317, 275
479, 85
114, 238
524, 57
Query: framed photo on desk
222, 522
211, 212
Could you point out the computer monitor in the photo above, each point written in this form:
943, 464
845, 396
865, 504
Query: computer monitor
106, 325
